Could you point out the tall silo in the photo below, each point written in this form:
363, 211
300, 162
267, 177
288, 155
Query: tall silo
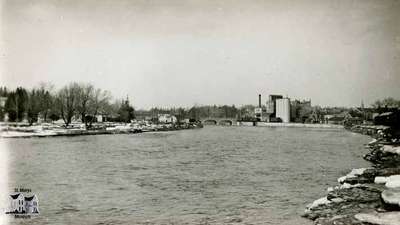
283, 109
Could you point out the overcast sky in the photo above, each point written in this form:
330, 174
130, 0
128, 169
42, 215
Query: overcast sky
180, 53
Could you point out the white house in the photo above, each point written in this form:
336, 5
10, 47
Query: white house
17, 203
3, 101
21, 204
100, 118
31, 204
166, 118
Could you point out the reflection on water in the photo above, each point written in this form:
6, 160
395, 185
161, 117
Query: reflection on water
215, 175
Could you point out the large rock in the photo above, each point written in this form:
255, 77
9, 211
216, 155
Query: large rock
384, 157
368, 175
359, 194
387, 171
346, 201
353, 174
391, 199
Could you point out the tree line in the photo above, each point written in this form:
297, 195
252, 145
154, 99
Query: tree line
81, 101
195, 112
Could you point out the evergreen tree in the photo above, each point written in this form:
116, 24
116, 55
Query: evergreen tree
126, 112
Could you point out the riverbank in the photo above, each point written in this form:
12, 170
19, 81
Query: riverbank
365, 196
52, 130
302, 125
298, 125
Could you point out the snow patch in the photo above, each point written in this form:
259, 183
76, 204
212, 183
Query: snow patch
380, 180
390, 181
372, 142
318, 202
387, 218
337, 200
393, 181
13, 134
352, 174
347, 185
343, 186
391, 149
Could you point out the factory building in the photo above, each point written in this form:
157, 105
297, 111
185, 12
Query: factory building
279, 109
258, 111
283, 109
271, 104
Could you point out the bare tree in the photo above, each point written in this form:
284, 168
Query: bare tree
85, 96
45, 99
67, 99
33, 106
98, 103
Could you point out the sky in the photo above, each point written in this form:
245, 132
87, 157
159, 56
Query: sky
180, 53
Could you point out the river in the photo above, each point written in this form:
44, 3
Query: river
214, 175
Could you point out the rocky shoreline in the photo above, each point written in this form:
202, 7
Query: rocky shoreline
368, 195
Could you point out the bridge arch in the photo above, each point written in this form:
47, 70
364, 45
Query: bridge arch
210, 122
226, 122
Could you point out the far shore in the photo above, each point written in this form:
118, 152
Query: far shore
24, 130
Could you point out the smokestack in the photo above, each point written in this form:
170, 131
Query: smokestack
259, 101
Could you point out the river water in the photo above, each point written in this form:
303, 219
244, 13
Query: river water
214, 175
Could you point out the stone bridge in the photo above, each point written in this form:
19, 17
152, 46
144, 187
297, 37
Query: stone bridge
218, 121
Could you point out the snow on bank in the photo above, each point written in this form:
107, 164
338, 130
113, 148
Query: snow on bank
122, 128
354, 173
380, 180
343, 186
322, 201
393, 181
387, 218
390, 181
391, 149
372, 142
318, 202
12, 134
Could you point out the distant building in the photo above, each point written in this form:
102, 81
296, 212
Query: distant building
283, 109
299, 109
3, 101
6, 117
247, 113
337, 118
167, 118
144, 115
334, 119
187, 121
100, 118
260, 111
271, 104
